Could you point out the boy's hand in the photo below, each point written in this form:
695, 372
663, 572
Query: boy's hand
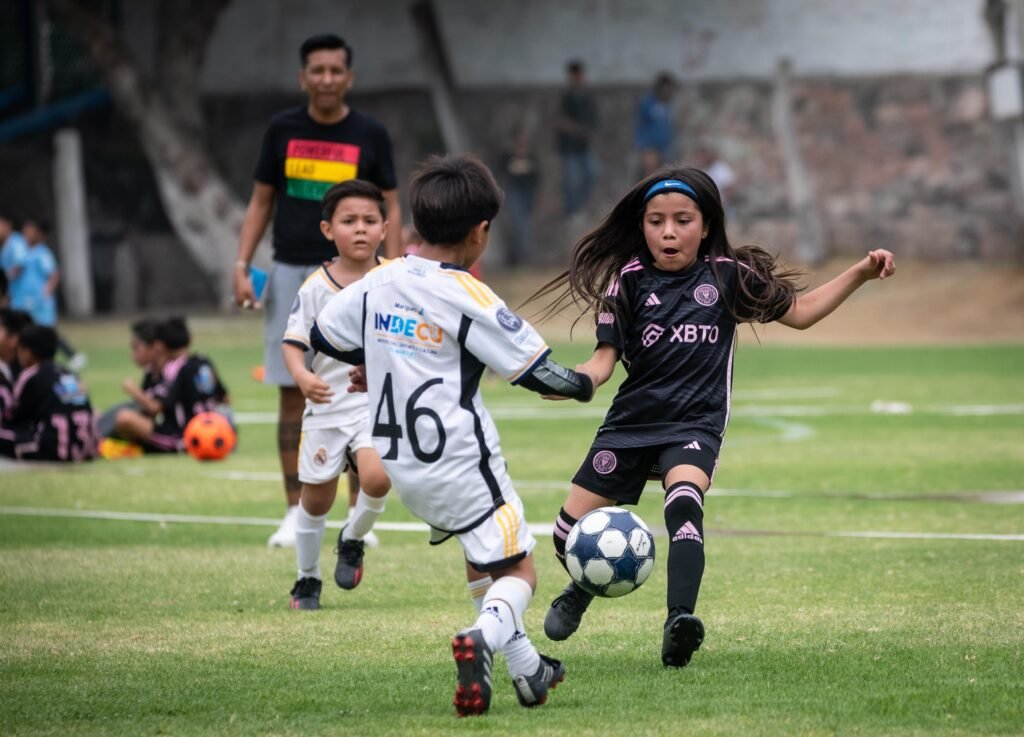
357, 375
129, 387
878, 264
314, 388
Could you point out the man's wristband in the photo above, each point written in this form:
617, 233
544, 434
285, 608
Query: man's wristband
242, 264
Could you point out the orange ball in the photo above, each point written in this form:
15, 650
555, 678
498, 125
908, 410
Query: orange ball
209, 436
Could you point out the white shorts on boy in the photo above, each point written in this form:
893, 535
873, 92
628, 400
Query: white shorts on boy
325, 452
499, 540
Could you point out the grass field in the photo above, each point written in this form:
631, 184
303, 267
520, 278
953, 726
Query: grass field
865, 572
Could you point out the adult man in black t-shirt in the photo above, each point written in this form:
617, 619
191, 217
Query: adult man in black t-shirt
306, 150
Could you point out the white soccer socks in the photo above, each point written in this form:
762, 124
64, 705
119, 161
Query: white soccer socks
501, 621
309, 535
478, 591
362, 516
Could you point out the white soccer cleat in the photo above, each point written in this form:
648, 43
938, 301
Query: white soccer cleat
284, 536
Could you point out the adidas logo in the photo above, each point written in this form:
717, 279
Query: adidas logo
688, 532
652, 300
692, 446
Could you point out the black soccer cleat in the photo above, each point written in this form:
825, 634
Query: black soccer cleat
566, 612
306, 593
533, 690
473, 663
348, 571
683, 635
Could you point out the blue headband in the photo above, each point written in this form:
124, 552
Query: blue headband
670, 185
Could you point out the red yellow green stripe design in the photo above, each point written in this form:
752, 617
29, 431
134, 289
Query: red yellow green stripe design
312, 167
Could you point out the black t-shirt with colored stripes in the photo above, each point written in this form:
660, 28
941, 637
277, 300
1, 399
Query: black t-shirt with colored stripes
676, 338
302, 159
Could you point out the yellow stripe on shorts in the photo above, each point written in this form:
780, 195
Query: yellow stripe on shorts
506, 517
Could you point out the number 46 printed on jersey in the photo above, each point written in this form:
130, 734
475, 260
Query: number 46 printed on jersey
386, 422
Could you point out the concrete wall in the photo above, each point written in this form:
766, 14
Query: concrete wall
526, 42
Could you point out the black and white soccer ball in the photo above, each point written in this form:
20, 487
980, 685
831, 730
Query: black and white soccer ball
609, 552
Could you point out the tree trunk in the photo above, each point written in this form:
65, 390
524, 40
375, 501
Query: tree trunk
205, 214
810, 247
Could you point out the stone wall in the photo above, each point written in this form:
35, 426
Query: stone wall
909, 163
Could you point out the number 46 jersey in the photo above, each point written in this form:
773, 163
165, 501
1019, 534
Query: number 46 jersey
427, 331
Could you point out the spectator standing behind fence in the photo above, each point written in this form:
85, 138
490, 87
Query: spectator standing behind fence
13, 250
577, 122
35, 288
519, 171
305, 151
708, 160
654, 134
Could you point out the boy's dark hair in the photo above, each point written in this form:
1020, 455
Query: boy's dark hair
14, 321
324, 41
574, 66
173, 333
40, 340
450, 195
353, 188
145, 330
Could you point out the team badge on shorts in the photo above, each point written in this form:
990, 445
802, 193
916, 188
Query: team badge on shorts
605, 462
705, 294
321, 456
509, 320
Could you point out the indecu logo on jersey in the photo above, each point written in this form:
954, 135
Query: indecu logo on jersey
408, 327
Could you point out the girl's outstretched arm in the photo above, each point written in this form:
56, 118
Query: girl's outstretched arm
601, 365
807, 309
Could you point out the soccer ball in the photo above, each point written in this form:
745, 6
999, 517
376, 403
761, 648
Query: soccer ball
609, 552
209, 436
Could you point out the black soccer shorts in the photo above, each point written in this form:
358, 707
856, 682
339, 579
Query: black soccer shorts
620, 473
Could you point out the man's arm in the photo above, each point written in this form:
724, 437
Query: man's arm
393, 239
257, 215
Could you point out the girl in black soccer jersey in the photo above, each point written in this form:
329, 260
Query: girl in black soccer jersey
668, 291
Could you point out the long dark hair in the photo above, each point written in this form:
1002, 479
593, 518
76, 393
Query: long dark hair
599, 255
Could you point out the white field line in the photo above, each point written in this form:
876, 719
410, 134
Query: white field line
537, 528
540, 411
985, 497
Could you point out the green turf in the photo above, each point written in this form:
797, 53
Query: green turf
141, 628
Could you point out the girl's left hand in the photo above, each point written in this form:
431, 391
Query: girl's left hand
878, 264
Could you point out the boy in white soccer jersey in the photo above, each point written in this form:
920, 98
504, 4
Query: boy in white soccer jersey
426, 329
335, 424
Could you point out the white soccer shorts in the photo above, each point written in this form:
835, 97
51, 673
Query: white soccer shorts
323, 452
499, 540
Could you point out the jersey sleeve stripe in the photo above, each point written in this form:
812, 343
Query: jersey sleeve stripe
473, 289
296, 340
309, 278
537, 357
